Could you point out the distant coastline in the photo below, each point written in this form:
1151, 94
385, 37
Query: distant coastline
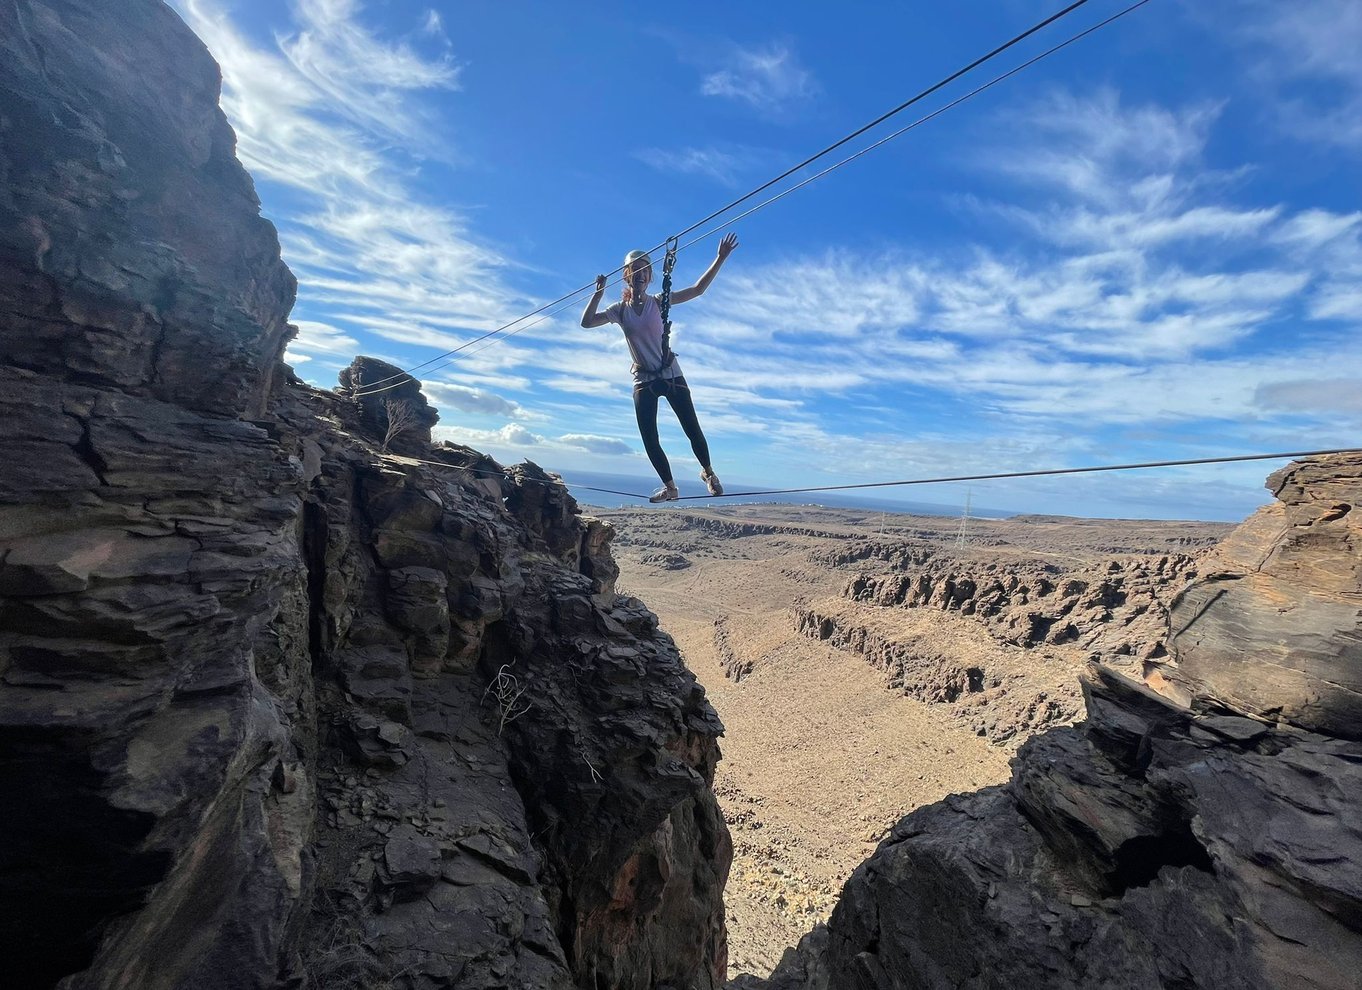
582, 483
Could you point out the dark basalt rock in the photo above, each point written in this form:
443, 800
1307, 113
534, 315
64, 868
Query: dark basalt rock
1201, 841
277, 709
392, 408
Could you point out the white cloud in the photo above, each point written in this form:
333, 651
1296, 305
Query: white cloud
768, 78
509, 442
1313, 229
1321, 395
596, 444
598, 387
1075, 144
470, 400
721, 166
1315, 42
361, 77
322, 338
512, 434
1338, 302
433, 25
840, 294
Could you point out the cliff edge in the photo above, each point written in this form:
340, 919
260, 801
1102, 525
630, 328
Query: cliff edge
277, 708
1198, 829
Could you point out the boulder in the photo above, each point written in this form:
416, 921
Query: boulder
1273, 628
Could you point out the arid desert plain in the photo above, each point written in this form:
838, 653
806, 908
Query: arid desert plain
865, 664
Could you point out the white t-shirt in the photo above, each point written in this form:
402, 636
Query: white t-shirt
643, 334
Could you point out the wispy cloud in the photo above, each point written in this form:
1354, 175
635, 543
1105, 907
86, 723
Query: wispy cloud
723, 167
471, 400
1313, 41
321, 338
434, 25
596, 444
334, 113
1139, 295
513, 436
1084, 141
767, 78
357, 75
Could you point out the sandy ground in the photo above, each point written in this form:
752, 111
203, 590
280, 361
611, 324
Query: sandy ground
820, 759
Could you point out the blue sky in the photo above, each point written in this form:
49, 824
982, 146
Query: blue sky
1147, 247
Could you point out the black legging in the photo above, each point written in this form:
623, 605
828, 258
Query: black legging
677, 394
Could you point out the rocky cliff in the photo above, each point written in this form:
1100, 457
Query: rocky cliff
278, 709
1115, 609
1202, 835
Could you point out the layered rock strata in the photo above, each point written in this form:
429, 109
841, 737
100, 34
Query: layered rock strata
277, 710
1157, 844
1002, 695
1119, 607
1272, 629
1048, 618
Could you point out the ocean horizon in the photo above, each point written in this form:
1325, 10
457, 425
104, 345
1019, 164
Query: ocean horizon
615, 491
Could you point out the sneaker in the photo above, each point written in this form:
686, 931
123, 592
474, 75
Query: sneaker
667, 493
711, 481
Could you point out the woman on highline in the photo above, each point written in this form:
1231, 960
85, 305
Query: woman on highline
656, 371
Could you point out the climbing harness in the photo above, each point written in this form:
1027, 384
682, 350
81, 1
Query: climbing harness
665, 306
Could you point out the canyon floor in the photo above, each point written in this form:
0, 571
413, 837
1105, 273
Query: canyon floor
826, 746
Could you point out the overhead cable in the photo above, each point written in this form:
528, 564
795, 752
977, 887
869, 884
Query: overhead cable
373, 387
572, 297
1044, 472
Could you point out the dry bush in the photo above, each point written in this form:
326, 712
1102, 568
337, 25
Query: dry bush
401, 418
506, 691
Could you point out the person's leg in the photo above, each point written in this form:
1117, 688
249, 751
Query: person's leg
645, 411
678, 395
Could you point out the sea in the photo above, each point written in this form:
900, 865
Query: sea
614, 491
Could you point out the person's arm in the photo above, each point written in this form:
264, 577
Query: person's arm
591, 318
726, 247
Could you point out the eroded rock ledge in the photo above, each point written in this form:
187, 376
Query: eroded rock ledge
277, 709
1206, 838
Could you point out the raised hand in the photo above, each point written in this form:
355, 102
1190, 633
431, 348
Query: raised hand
600, 283
727, 245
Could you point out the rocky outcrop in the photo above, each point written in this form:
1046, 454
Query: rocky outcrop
734, 664
136, 258
1156, 844
278, 710
896, 555
517, 780
1272, 628
391, 404
1118, 607
1003, 698
715, 527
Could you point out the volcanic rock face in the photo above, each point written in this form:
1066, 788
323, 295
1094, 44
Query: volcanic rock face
390, 404
1157, 844
137, 259
276, 710
1273, 628
1116, 608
